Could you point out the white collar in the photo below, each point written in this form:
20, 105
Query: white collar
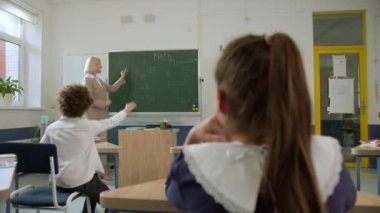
89, 75
231, 172
71, 118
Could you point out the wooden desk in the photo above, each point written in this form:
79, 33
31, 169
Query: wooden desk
110, 149
175, 149
147, 197
107, 148
144, 155
6, 176
367, 203
359, 152
151, 197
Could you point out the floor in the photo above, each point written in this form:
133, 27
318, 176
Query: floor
368, 179
368, 184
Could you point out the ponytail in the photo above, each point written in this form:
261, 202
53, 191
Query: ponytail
290, 167
264, 82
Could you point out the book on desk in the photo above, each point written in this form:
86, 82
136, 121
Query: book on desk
370, 143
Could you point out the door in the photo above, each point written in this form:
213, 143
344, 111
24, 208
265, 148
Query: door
341, 97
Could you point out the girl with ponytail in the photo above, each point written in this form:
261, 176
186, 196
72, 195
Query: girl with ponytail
265, 158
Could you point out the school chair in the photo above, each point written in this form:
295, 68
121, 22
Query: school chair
42, 159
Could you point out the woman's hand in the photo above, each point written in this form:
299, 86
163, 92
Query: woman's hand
130, 106
123, 73
208, 130
108, 103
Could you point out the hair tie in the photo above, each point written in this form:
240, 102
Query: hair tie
268, 37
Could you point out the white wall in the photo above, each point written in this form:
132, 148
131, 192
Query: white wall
86, 27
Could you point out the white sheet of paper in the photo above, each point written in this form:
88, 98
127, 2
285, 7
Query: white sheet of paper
341, 94
339, 65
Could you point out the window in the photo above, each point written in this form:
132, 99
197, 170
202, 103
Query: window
10, 43
338, 29
20, 50
9, 51
9, 60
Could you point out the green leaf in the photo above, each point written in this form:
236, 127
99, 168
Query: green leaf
10, 86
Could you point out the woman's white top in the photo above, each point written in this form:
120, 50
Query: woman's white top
78, 158
231, 172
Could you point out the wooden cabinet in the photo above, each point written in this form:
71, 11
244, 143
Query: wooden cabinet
145, 155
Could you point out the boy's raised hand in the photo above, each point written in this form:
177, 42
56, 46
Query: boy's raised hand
130, 106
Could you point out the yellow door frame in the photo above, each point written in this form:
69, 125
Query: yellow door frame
362, 51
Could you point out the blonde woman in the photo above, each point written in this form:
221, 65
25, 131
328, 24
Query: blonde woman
99, 92
99, 89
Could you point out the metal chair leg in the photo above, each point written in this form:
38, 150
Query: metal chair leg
88, 204
357, 158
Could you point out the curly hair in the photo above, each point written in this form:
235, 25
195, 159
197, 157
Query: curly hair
74, 100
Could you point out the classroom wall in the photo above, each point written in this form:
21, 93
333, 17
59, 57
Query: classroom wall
94, 27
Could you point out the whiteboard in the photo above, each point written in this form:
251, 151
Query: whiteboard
73, 66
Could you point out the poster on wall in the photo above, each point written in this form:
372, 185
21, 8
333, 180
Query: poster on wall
341, 94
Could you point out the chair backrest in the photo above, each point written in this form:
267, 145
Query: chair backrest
32, 157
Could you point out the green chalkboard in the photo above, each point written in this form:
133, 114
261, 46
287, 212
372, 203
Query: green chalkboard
158, 81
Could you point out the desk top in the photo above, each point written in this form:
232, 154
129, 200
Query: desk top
106, 147
149, 196
6, 175
152, 129
365, 151
366, 203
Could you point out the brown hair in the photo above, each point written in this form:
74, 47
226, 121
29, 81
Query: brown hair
263, 80
74, 100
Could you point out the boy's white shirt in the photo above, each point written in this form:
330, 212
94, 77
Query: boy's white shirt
231, 172
78, 160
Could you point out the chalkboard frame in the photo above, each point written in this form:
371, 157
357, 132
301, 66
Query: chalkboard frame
194, 112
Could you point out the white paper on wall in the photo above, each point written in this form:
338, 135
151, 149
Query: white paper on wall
339, 65
341, 94
377, 91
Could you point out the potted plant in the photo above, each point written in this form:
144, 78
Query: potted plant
8, 90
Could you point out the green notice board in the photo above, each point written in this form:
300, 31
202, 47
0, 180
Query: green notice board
158, 81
